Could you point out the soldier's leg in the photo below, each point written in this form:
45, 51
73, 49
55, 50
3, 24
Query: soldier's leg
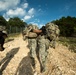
33, 45
29, 43
47, 44
42, 53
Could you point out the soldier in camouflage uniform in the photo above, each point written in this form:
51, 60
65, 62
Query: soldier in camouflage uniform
49, 34
52, 31
42, 42
45, 36
33, 47
32, 43
43, 46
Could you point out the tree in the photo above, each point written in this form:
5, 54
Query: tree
3, 22
16, 22
16, 25
67, 25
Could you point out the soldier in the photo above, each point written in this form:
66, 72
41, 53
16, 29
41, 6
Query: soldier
49, 34
52, 31
32, 42
3, 36
43, 45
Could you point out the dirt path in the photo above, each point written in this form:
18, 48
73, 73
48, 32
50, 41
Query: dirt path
19, 51
15, 60
62, 61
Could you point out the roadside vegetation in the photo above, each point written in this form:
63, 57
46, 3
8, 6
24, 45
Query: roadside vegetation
70, 42
11, 37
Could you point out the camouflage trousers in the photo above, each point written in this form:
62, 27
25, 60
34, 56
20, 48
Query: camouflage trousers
32, 46
43, 45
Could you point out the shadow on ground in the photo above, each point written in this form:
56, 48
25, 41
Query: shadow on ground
24, 67
5, 61
9, 40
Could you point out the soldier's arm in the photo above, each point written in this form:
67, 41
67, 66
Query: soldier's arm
37, 31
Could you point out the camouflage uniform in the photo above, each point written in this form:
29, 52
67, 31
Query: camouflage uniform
32, 44
57, 32
52, 31
26, 31
49, 36
43, 45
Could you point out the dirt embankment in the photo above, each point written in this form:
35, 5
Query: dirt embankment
15, 60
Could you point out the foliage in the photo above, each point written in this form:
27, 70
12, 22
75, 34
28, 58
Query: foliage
16, 22
3, 22
14, 25
67, 25
70, 42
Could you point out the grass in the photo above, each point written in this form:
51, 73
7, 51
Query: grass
70, 42
14, 35
11, 37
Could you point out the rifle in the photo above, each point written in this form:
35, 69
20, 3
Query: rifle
43, 30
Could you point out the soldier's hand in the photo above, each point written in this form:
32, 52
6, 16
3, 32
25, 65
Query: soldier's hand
37, 31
